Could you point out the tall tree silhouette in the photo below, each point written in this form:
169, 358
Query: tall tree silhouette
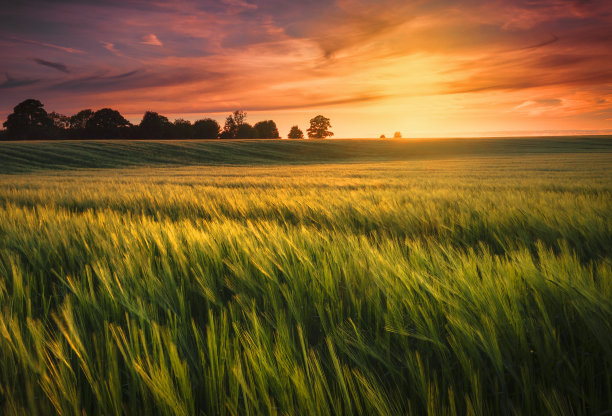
182, 129
61, 123
206, 129
319, 128
78, 124
29, 120
154, 126
245, 131
107, 124
233, 123
80, 119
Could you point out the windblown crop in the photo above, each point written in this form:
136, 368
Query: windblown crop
469, 286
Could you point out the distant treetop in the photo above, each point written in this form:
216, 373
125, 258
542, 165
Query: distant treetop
295, 133
80, 119
233, 123
206, 129
108, 124
30, 120
266, 130
319, 128
154, 126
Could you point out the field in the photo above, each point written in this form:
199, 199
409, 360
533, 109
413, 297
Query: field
443, 277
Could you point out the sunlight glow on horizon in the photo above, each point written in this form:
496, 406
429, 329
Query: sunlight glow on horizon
426, 69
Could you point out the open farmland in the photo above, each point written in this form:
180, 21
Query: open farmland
468, 277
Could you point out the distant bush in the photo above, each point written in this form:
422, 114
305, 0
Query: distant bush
295, 133
266, 130
206, 129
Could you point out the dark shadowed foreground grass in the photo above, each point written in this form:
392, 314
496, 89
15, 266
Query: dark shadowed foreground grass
472, 286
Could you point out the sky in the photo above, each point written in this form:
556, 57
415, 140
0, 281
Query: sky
434, 68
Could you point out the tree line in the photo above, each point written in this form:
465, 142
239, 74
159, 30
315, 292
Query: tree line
29, 120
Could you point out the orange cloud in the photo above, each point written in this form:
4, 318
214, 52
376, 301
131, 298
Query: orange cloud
431, 68
151, 39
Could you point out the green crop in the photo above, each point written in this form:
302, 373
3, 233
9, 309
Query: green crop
474, 285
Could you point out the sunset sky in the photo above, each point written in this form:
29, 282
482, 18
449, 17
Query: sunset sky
425, 68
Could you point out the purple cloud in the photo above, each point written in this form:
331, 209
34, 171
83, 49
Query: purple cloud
273, 54
55, 65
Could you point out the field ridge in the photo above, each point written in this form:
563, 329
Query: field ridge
27, 156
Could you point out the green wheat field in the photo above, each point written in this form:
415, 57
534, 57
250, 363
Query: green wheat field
440, 277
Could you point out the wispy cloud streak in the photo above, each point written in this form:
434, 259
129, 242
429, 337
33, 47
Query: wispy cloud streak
411, 62
55, 65
47, 45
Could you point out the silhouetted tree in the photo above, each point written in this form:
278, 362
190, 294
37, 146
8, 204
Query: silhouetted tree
107, 124
266, 130
382, 136
295, 133
245, 131
182, 129
206, 129
240, 117
60, 121
80, 119
29, 120
319, 128
232, 123
60, 126
226, 134
229, 129
397, 135
154, 126
78, 123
